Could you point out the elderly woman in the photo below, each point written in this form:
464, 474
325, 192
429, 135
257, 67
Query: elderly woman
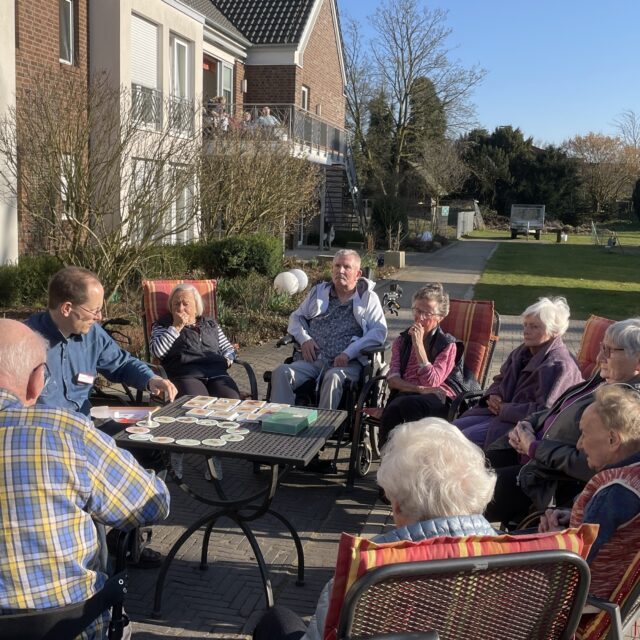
438, 483
538, 461
610, 440
532, 377
426, 364
192, 349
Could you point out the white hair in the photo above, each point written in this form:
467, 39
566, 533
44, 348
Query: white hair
625, 335
19, 356
553, 313
185, 286
430, 469
348, 253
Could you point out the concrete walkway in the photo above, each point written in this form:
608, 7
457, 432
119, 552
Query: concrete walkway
226, 601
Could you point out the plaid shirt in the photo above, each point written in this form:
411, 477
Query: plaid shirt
58, 474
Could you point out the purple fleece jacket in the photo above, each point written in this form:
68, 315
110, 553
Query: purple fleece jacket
527, 384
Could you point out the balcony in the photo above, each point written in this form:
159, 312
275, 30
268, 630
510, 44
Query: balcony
307, 133
146, 106
181, 112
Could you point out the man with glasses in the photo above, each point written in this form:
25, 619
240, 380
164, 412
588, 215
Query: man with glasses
79, 347
59, 475
333, 325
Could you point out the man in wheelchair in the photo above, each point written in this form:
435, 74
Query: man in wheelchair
335, 323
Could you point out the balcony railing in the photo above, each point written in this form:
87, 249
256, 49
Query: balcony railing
181, 113
284, 122
146, 106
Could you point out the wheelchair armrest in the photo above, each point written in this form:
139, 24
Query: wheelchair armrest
253, 383
454, 409
372, 351
285, 340
366, 389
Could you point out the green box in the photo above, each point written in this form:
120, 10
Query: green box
289, 421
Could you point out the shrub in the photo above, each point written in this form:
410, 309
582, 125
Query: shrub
236, 256
388, 213
26, 282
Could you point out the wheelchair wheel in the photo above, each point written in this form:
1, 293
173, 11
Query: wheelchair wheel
364, 459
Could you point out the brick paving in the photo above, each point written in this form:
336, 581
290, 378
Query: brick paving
226, 600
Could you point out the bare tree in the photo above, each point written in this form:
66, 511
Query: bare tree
411, 43
102, 176
441, 166
604, 166
250, 181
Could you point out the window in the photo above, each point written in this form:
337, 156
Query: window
181, 108
227, 83
181, 208
142, 209
304, 98
67, 186
146, 99
66, 31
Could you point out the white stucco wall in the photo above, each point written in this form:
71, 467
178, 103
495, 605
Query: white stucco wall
8, 202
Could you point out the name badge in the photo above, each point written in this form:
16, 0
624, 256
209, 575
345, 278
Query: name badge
84, 378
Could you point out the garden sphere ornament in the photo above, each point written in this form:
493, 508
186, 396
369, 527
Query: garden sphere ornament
286, 282
303, 280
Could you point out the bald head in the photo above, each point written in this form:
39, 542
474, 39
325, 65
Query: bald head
22, 351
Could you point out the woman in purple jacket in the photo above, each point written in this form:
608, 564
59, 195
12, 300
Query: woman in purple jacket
533, 376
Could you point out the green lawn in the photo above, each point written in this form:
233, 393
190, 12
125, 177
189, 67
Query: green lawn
592, 279
627, 238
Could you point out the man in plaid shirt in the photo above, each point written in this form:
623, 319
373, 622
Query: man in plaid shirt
59, 474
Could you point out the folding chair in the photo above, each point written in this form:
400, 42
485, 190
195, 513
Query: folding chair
594, 330
155, 304
516, 596
477, 324
68, 622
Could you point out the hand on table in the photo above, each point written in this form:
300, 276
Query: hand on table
341, 360
494, 404
554, 520
308, 350
158, 386
521, 437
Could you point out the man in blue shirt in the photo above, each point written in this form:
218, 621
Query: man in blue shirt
79, 347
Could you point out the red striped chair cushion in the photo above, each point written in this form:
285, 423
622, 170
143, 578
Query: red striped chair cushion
357, 555
155, 298
594, 331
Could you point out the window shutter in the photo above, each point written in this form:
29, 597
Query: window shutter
144, 52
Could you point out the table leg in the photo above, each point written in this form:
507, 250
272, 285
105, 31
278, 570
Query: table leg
298, 543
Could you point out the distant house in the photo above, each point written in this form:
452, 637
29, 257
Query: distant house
244, 54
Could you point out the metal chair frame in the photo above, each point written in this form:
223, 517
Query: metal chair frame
554, 584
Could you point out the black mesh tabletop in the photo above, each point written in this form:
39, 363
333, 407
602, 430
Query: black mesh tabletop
258, 446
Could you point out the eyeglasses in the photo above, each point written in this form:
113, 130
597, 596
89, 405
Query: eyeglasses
424, 314
96, 313
46, 373
606, 350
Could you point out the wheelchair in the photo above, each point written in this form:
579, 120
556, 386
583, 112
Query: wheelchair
362, 449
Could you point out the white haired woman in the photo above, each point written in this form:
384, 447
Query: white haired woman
532, 378
192, 348
426, 364
438, 483
610, 440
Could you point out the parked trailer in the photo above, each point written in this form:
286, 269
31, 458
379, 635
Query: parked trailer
527, 218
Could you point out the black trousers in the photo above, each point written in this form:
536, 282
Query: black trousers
219, 387
407, 407
280, 623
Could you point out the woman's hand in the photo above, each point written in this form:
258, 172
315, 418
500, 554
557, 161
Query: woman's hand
521, 437
494, 404
181, 319
416, 331
436, 391
554, 520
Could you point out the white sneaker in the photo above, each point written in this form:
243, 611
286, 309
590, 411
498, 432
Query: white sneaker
176, 464
217, 465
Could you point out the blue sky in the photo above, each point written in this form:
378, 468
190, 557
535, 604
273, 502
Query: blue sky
555, 68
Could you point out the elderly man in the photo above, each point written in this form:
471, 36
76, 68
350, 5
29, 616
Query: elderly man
79, 347
333, 325
60, 474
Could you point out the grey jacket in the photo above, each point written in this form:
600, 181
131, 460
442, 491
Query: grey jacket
454, 526
367, 311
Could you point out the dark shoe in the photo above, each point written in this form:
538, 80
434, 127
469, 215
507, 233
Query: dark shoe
149, 559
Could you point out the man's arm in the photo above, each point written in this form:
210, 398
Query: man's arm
123, 494
298, 326
376, 332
